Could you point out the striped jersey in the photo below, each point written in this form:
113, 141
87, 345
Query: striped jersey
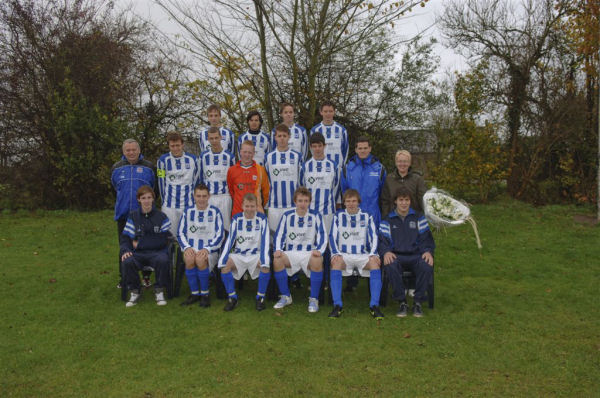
298, 233
322, 178
336, 140
283, 169
177, 178
201, 229
298, 140
247, 236
213, 170
262, 145
353, 234
227, 140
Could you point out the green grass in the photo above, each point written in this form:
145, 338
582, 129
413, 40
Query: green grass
521, 320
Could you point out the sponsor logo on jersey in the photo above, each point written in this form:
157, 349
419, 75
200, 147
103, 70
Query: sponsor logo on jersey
208, 173
311, 180
345, 235
276, 172
373, 174
240, 240
292, 236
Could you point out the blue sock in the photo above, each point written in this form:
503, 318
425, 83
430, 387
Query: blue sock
282, 282
229, 284
316, 278
203, 276
336, 287
375, 284
192, 281
263, 283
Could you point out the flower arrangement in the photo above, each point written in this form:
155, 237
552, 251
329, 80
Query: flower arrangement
443, 210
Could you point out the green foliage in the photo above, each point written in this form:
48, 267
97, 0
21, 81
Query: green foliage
85, 138
468, 157
514, 322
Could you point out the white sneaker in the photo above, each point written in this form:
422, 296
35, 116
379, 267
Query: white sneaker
313, 304
133, 299
160, 297
283, 302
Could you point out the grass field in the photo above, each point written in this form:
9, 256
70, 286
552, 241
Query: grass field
521, 320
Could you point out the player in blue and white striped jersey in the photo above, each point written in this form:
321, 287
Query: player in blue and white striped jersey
300, 242
322, 178
214, 164
246, 249
261, 140
298, 137
283, 168
214, 120
200, 236
336, 136
178, 174
353, 242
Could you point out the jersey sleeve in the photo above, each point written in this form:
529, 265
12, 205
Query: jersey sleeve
372, 237
214, 244
281, 233
385, 238
264, 242
181, 232
161, 173
333, 236
321, 236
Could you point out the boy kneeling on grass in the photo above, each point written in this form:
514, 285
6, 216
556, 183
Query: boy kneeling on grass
405, 242
249, 240
144, 243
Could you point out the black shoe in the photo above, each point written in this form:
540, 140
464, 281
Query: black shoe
402, 310
376, 312
204, 301
417, 311
231, 304
119, 286
192, 299
336, 312
260, 304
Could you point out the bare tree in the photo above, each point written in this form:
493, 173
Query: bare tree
513, 36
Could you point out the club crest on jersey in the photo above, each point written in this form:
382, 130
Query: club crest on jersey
257, 227
412, 225
254, 178
210, 218
139, 170
187, 166
328, 168
309, 223
363, 223
240, 186
337, 134
156, 229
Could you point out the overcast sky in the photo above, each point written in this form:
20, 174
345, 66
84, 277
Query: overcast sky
420, 19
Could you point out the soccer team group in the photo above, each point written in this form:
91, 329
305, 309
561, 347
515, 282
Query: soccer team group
291, 202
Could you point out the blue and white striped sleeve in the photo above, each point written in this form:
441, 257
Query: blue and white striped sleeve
166, 225
305, 147
372, 237
321, 236
264, 242
181, 232
345, 145
129, 229
228, 244
214, 244
333, 236
281, 233
197, 175
231, 147
423, 225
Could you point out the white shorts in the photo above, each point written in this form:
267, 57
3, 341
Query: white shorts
174, 216
243, 263
274, 216
223, 203
298, 261
355, 261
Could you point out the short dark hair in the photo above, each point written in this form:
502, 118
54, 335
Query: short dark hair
174, 136
250, 197
283, 128
402, 192
213, 130
326, 103
302, 191
213, 107
316, 138
201, 187
363, 138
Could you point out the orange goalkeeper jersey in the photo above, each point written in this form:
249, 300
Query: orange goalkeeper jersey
242, 180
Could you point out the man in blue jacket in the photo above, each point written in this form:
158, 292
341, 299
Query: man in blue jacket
144, 243
365, 173
127, 176
405, 241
